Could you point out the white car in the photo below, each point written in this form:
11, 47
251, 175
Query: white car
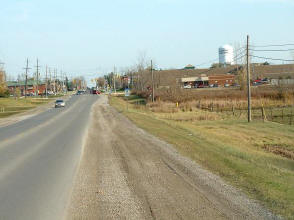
59, 103
187, 87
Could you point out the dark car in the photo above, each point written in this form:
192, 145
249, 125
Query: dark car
95, 92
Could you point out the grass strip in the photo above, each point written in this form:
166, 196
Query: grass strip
231, 148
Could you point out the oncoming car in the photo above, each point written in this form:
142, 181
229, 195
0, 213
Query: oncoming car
59, 103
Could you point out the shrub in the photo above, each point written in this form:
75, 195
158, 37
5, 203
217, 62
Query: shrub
4, 92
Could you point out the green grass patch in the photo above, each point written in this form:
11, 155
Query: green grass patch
12, 106
231, 148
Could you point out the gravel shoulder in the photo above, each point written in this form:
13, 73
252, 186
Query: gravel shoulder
126, 173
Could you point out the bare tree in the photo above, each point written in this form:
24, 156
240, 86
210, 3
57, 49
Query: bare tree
141, 65
79, 82
3, 88
100, 82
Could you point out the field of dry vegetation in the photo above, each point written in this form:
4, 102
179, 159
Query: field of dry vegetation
256, 157
268, 103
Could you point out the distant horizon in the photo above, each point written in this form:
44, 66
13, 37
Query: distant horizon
89, 38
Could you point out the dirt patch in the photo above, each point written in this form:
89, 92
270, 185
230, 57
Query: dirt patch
279, 150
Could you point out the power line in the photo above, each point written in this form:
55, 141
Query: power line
269, 58
240, 48
273, 50
240, 56
208, 62
235, 58
274, 45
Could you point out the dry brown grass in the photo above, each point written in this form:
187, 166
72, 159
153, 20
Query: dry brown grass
218, 99
256, 157
263, 92
216, 105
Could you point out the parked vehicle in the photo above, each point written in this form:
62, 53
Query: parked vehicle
265, 81
80, 92
257, 83
187, 87
59, 103
96, 92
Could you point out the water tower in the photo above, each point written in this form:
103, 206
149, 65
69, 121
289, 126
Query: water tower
226, 55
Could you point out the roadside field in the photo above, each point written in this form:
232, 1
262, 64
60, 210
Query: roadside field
11, 106
280, 114
257, 157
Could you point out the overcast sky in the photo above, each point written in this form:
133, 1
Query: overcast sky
91, 36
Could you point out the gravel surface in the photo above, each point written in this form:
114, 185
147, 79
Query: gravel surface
126, 173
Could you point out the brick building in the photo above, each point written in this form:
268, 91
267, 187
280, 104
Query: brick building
221, 79
31, 87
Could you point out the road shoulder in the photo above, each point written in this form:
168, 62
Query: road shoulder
126, 173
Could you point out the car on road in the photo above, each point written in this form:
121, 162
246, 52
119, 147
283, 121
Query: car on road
96, 92
59, 103
81, 92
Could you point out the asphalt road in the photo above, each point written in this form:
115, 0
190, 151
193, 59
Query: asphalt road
39, 158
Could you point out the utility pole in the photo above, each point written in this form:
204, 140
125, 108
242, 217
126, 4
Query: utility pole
50, 80
61, 76
152, 77
114, 70
37, 77
248, 80
46, 81
55, 75
26, 80
66, 84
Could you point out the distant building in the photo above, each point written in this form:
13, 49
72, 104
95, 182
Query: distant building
195, 82
205, 81
189, 67
222, 79
281, 82
171, 78
31, 87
